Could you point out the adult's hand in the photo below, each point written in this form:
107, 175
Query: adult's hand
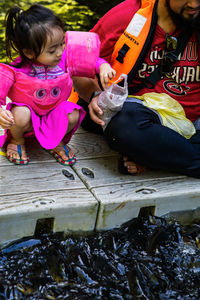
95, 111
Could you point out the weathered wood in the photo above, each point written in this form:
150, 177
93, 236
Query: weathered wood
86, 145
41, 199
106, 173
119, 203
71, 210
40, 190
90, 145
41, 177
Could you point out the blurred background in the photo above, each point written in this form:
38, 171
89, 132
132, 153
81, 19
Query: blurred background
76, 15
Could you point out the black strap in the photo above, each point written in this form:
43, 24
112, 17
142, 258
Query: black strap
199, 37
171, 57
122, 52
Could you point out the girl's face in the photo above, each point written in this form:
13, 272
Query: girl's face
53, 50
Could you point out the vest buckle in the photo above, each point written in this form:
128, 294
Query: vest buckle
122, 52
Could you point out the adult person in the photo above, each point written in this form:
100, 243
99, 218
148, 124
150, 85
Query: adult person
136, 131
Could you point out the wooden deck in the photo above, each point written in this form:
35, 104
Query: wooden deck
82, 202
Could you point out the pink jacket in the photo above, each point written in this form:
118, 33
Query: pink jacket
41, 95
44, 95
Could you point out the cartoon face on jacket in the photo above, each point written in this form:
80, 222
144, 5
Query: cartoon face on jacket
43, 95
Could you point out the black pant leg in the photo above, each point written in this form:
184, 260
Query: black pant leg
87, 122
137, 132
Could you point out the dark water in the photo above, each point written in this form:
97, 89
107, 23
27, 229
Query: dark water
144, 259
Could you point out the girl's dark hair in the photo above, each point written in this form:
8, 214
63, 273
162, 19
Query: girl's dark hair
29, 29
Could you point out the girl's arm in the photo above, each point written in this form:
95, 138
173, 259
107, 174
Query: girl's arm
105, 71
7, 78
6, 82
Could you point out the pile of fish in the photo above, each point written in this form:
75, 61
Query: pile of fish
146, 258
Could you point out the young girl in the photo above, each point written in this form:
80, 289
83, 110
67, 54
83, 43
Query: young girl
39, 84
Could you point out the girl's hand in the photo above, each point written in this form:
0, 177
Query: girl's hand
6, 119
106, 73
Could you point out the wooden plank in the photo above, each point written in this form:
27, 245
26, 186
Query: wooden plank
40, 190
15, 202
120, 203
80, 130
106, 173
36, 178
86, 145
90, 145
72, 210
36, 153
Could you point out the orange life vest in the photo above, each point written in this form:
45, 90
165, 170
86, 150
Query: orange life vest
73, 96
131, 46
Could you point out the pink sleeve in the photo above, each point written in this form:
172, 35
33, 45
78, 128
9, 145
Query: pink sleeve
62, 62
6, 81
99, 62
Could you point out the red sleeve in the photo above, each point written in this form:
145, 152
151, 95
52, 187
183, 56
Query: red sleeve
112, 25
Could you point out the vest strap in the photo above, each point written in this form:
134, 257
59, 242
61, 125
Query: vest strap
122, 52
129, 49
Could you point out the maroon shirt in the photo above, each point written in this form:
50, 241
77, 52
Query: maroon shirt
184, 83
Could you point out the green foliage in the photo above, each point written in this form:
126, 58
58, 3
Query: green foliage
75, 16
100, 7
